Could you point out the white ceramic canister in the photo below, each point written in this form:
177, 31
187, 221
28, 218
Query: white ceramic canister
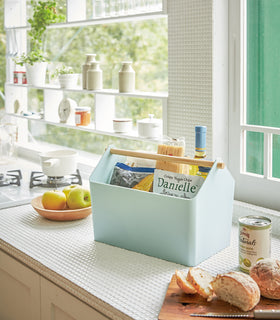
89, 59
94, 76
122, 125
149, 127
126, 77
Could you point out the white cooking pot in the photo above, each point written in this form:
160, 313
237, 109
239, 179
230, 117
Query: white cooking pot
59, 163
149, 127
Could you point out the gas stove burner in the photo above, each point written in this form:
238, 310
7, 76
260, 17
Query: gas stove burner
12, 177
38, 179
56, 180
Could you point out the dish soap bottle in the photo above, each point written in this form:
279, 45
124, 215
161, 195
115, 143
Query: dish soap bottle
200, 147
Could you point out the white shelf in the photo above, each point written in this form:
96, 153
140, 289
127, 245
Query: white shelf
101, 20
114, 92
90, 128
104, 100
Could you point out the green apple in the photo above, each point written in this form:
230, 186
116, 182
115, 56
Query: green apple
67, 189
78, 198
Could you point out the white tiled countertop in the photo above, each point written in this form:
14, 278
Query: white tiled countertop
119, 283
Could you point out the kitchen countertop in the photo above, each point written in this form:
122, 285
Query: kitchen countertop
120, 284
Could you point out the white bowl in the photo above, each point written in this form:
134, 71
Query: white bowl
122, 125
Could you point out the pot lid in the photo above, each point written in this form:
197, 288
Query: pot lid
149, 120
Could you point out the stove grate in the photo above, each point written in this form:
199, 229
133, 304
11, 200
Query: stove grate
38, 179
12, 177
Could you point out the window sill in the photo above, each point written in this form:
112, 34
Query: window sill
241, 209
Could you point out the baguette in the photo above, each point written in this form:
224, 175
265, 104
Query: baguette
266, 273
201, 281
238, 289
183, 283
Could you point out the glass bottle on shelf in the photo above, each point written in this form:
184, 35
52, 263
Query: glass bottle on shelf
107, 8
130, 4
121, 7
98, 8
200, 147
89, 59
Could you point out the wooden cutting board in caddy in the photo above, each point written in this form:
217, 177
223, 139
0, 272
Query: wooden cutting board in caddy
178, 305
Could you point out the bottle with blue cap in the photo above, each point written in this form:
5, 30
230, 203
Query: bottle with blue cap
203, 172
200, 147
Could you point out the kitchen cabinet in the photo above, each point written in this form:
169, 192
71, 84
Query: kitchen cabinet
25, 295
57, 304
20, 297
16, 103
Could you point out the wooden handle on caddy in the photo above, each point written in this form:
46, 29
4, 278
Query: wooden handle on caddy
161, 157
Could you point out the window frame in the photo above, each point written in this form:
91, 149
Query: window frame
228, 80
252, 188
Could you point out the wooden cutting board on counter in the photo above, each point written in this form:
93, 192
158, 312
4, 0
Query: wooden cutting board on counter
178, 305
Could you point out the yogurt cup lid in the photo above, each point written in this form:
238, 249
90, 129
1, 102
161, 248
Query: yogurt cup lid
82, 108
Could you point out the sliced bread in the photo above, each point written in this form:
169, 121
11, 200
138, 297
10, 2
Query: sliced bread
201, 281
237, 288
183, 283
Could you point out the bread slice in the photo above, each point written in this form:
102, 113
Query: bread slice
183, 283
237, 288
266, 273
201, 280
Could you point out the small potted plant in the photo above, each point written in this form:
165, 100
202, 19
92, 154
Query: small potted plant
66, 76
44, 14
35, 63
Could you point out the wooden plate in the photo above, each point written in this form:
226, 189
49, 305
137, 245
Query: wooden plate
59, 215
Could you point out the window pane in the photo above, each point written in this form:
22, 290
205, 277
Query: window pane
276, 157
263, 63
143, 42
263, 78
85, 141
254, 152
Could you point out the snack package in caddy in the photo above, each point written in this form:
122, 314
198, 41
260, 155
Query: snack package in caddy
176, 184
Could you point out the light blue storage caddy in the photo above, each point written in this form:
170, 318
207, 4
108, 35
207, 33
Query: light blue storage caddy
185, 231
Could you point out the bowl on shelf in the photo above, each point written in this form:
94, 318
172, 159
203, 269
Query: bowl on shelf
122, 125
59, 215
